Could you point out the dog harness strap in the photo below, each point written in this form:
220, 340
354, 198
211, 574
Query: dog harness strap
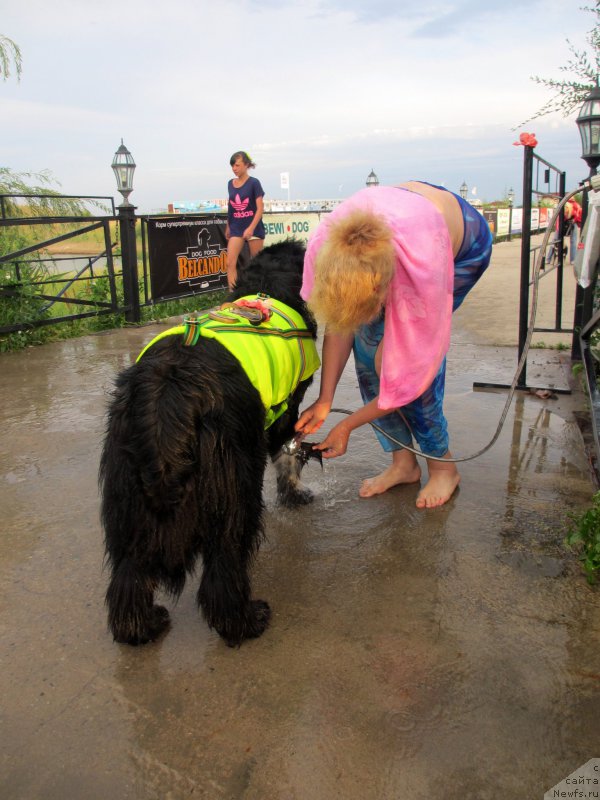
191, 332
280, 353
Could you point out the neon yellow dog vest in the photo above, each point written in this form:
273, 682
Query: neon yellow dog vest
275, 354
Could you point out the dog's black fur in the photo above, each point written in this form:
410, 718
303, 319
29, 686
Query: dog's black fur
182, 468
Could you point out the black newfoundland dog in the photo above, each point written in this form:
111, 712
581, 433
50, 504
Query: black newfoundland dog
187, 441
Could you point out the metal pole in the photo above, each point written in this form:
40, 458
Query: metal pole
129, 260
525, 260
561, 263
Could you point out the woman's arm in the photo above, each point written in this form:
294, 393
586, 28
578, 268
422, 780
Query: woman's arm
336, 351
336, 442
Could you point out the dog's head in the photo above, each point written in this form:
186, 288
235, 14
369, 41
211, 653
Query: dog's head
277, 272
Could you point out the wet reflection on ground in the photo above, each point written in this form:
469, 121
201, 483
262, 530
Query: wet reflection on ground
450, 653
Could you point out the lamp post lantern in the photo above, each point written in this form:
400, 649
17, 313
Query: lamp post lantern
124, 166
588, 122
464, 190
372, 179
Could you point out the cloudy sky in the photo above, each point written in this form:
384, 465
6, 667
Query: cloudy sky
325, 90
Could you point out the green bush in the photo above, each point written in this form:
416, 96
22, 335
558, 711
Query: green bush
99, 292
584, 536
20, 303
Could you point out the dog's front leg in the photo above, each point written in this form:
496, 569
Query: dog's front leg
288, 465
288, 469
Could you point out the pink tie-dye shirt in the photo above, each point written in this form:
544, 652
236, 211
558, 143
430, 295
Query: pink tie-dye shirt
418, 308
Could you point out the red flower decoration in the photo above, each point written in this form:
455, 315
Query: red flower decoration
527, 140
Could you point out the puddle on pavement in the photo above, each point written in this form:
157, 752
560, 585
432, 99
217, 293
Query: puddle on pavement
447, 654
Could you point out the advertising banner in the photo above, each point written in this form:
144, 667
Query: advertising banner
503, 222
187, 255
535, 219
280, 226
517, 220
490, 218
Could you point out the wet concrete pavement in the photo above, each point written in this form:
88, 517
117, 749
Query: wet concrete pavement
440, 654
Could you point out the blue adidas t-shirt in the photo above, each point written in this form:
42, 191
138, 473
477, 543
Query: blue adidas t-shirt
241, 207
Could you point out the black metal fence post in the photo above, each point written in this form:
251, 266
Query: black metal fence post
525, 260
131, 290
562, 188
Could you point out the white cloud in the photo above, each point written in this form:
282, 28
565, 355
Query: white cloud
324, 88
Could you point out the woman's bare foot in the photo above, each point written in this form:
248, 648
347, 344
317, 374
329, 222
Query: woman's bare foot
442, 483
403, 469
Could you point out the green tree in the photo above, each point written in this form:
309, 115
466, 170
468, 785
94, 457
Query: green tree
10, 56
583, 68
43, 200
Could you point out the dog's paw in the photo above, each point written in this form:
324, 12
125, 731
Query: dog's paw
156, 624
262, 614
160, 621
257, 621
293, 496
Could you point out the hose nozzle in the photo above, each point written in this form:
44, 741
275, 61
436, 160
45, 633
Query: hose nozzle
292, 448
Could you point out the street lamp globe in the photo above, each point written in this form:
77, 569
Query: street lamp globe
124, 166
372, 179
588, 122
464, 190
511, 196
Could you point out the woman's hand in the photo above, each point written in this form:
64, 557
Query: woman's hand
248, 234
336, 442
313, 417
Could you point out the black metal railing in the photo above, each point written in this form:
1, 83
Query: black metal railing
22, 261
540, 178
119, 260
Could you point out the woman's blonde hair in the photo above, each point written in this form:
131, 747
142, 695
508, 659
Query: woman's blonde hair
353, 270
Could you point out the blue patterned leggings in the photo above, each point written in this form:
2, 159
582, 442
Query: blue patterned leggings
425, 415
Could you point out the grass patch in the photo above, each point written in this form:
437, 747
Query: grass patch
541, 345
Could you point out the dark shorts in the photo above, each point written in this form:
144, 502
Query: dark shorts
237, 228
